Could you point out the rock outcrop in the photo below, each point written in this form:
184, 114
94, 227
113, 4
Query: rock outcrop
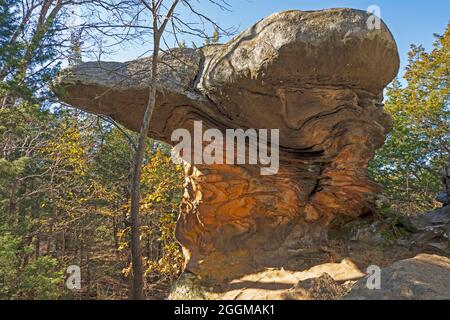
316, 76
444, 196
430, 229
321, 282
424, 277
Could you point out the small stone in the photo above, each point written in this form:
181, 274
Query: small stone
407, 293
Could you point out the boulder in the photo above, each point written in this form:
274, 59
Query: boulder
316, 76
430, 228
444, 196
424, 277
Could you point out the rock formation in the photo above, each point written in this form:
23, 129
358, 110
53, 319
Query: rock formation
424, 277
444, 196
316, 76
276, 284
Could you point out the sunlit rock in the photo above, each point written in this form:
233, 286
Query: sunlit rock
317, 77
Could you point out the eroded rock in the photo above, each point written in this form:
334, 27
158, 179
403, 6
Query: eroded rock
323, 281
317, 76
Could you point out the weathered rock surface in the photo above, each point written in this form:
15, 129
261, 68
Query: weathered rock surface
430, 228
324, 281
424, 277
316, 76
320, 288
444, 196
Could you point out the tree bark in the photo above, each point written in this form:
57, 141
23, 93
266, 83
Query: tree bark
136, 252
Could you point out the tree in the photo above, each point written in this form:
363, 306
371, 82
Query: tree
63, 198
410, 163
136, 254
38, 280
29, 48
162, 185
161, 16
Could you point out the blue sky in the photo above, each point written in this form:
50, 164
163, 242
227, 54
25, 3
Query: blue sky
411, 21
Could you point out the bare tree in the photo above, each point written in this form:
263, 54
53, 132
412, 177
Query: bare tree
136, 254
43, 28
161, 16
102, 26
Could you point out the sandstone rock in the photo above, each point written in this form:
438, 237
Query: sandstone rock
321, 288
423, 277
317, 76
430, 228
433, 227
443, 198
328, 280
188, 287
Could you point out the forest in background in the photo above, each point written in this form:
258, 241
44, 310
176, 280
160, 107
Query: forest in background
65, 174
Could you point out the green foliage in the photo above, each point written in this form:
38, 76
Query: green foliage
41, 279
64, 195
29, 50
162, 190
410, 163
9, 263
9, 51
65, 175
162, 181
56, 198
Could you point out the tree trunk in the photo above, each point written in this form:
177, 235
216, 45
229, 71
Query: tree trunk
12, 200
49, 242
37, 246
115, 237
136, 251
63, 244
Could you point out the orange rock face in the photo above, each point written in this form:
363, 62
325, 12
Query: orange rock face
317, 77
233, 219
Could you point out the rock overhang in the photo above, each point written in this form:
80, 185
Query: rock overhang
282, 54
316, 76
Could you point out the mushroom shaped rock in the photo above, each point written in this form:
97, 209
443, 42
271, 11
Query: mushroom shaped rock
316, 76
